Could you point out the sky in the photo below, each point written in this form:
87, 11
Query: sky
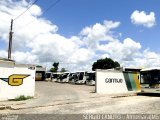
78, 32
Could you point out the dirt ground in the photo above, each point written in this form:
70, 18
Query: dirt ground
64, 98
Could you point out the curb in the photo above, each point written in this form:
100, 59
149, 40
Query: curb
124, 95
5, 107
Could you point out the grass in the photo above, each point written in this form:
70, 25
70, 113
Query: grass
22, 97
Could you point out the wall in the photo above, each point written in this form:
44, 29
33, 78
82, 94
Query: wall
6, 64
16, 81
113, 82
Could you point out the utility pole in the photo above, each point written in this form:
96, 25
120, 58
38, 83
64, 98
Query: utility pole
10, 41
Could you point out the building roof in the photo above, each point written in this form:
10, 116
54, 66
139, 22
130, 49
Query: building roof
24, 65
6, 60
40, 68
132, 69
152, 68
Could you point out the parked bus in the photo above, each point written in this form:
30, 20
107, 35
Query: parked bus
64, 77
48, 76
90, 78
72, 77
54, 76
59, 77
150, 80
81, 78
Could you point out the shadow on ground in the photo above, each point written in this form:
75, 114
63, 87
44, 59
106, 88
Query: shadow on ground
149, 94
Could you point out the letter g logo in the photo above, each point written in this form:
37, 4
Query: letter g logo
16, 80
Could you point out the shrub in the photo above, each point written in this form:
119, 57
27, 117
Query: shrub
22, 97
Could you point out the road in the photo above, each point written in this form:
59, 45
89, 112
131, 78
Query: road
60, 98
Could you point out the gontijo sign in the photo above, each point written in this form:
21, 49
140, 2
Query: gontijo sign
113, 80
116, 81
15, 79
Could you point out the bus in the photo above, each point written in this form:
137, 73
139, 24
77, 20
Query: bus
81, 77
72, 77
48, 76
90, 78
150, 80
64, 77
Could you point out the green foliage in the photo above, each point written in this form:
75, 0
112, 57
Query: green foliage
55, 67
39, 66
22, 97
106, 63
53, 70
63, 70
116, 64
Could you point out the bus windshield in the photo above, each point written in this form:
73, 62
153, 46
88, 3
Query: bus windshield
91, 76
48, 75
150, 77
54, 75
65, 75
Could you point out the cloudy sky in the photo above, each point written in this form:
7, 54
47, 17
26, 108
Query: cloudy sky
78, 32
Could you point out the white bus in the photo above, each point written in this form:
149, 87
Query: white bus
48, 76
90, 78
81, 77
64, 77
72, 77
150, 80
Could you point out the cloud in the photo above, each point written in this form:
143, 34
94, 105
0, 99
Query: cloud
36, 41
35, 10
122, 51
3, 53
147, 59
98, 32
142, 18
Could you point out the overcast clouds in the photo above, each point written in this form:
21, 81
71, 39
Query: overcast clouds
36, 40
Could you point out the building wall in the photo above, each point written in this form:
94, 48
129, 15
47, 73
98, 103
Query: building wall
7, 64
113, 82
16, 81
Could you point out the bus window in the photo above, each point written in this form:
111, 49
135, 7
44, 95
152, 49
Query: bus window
150, 77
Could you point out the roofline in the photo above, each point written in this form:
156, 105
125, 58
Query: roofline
5, 59
152, 68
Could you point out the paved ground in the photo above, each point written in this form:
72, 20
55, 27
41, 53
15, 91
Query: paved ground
54, 98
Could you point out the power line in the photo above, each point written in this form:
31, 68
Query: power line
26, 10
45, 11
52, 5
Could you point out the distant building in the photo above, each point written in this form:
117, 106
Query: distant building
40, 73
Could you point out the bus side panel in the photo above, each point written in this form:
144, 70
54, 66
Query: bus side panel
128, 83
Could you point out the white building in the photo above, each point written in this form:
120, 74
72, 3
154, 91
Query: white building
16, 80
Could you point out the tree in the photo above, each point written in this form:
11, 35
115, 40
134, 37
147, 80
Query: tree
55, 67
116, 64
53, 70
106, 63
63, 70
